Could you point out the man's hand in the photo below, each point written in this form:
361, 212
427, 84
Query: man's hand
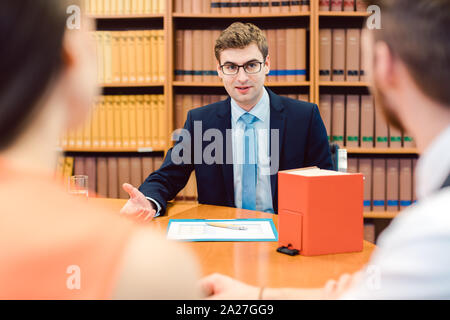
220, 287
335, 289
138, 205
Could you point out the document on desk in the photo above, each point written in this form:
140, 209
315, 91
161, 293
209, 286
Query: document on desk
222, 230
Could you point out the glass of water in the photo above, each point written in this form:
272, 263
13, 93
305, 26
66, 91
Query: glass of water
78, 186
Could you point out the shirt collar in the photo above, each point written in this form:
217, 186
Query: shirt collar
260, 110
434, 165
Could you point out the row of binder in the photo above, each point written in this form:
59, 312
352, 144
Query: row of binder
195, 60
353, 121
340, 55
124, 7
126, 57
240, 6
342, 5
107, 174
122, 122
388, 183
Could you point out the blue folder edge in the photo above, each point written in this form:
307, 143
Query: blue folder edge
274, 230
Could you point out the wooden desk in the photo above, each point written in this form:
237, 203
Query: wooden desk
257, 263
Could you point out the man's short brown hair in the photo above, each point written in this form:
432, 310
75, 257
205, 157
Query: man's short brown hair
240, 35
417, 33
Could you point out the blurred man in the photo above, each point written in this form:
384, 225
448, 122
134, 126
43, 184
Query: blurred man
410, 59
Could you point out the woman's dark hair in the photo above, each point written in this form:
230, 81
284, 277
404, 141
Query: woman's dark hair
31, 37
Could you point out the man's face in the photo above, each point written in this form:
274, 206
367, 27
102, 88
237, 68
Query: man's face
386, 107
246, 89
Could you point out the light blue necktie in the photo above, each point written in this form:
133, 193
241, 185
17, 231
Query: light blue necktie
249, 173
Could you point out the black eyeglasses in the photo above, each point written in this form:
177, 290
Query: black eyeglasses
250, 67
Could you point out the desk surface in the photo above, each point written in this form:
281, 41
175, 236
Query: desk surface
257, 263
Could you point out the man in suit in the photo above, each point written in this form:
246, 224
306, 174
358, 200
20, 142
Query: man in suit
238, 145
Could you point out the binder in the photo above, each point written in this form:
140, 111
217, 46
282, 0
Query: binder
349, 5
365, 167
140, 69
148, 56
107, 42
135, 171
78, 166
255, 6
395, 137
244, 6
338, 118
338, 56
405, 183
132, 108
124, 60
325, 112
272, 43
367, 121
206, 6
360, 5
116, 58
352, 121
352, 165
179, 55
235, 7
102, 177
275, 6
281, 54
124, 175
392, 184
109, 121
295, 6
154, 55
102, 123
325, 54
381, 130
140, 121
154, 120
117, 122
352, 56
291, 54
300, 51
90, 165
147, 167
162, 121
124, 107
147, 121
187, 58
336, 5
379, 184
113, 182
324, 5
197, 55
161, 56
313, 226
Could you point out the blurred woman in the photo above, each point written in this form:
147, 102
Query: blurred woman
54, 246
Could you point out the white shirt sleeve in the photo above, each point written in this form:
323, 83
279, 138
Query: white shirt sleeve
158, 206
412, 260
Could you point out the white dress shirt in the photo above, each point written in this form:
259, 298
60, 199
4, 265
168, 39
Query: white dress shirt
262, 126
412, 259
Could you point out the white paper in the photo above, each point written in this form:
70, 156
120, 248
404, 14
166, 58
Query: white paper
200, 231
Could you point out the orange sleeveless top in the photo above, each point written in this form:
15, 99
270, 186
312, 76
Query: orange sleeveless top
53, 245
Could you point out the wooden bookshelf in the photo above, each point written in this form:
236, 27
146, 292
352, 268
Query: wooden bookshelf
381, 214
342, 84
175, 20
137, 84
343, 14
241, 16
382, 150
127, 16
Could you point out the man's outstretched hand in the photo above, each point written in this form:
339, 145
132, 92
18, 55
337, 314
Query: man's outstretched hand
138, 205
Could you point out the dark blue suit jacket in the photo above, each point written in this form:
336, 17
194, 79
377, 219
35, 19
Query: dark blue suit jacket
303, 142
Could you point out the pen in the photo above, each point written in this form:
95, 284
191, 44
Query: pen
225, 225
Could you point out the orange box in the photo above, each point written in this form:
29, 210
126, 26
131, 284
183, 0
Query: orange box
320, 211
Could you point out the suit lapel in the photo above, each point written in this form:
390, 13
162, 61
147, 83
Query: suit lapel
277, 122
224, 123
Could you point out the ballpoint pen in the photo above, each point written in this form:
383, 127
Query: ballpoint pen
226, 225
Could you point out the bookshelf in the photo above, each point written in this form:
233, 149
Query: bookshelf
171, 21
